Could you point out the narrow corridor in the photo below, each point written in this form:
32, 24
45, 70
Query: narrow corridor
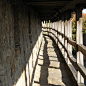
51, 69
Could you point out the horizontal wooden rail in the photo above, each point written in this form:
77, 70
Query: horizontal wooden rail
54, 30
81, 48
70, 41
46, 28
73, 61
47, 31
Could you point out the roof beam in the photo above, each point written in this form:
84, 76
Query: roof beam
45, 0
48, 3
70, 6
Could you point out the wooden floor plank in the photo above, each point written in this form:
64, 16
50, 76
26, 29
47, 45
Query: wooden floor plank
51, 69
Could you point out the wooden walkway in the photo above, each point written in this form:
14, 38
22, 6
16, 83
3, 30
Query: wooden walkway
51, 69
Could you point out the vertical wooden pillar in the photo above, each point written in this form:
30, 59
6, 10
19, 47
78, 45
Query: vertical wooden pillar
44, 24
52, 30
79, 40
48, 24
60, 35
60, 30
65, 35
51, 27
56, 30
48, 27
63, 32
69, 34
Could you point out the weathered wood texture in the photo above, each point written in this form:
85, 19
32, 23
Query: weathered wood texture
49, 8
81, 48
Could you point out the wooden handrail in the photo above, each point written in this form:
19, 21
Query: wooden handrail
81, 48
70, 41
46, 27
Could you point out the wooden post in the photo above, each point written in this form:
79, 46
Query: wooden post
58, 34
69, 36
60, 30
56, 29
44, 24
79, 40
63, 32
48, 24
53, 28
68, 32
65, 39
55, 32
48, 27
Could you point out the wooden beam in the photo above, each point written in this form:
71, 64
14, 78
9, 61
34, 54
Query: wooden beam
70, 5
78, 66
45, 0
42, 2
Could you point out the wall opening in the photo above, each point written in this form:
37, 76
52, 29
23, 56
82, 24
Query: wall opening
73, 16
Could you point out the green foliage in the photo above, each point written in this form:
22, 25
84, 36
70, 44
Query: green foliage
74, 31
74, 37
84, 22
74, 28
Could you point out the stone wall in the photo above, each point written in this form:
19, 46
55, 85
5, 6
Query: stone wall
20, 40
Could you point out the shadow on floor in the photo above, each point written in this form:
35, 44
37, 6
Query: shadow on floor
66, 76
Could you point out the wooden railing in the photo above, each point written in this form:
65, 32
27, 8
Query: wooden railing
80, 47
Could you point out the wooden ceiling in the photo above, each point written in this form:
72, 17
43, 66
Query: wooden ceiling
49, 9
